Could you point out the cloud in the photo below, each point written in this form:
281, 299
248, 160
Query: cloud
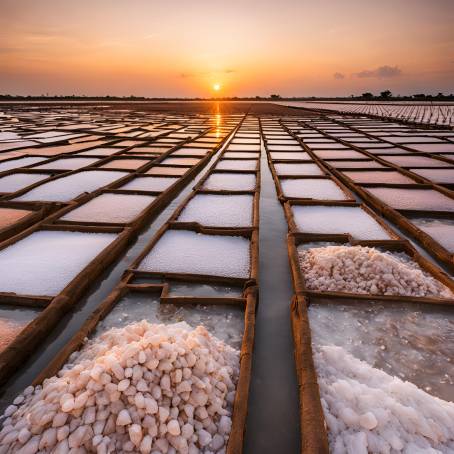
339, 76
383, 72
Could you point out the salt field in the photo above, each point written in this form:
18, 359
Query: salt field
442, 176
352, 220
367, 357
69, 187
28, 263
309, 188
227, 227
377, 176
188, 252
9, 216
414, 199
442, 230
230, 182
219, 210
442, 114
298, 169
18, 181
142, 275
12, 321
113, 208
66, 164
153, 184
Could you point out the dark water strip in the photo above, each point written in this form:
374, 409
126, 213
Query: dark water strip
273, 418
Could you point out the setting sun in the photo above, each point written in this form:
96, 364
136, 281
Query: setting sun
216, 87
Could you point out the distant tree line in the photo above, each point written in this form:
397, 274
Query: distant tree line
385, 95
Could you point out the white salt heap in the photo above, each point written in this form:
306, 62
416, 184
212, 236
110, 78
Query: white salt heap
143, 388
368, 411
358, 269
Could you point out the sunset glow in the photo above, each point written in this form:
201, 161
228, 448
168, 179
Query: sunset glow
292, 48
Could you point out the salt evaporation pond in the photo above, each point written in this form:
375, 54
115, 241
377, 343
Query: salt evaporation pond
219, 210
234, 164
338, 219
312, 188
131, 164
43, 263
67, 164
292, 156
116, 208
180, 161
385, 375
167, 170
327, 145
414, 199
283, 141
356, 164
443, 176
339, 154
243, 147
20, 162
416, 161
297, 169
284, 148
17, 181
67, 188
239, 154
378, 176
103, 151
181, 251
13, 320
445, 147
9, 216
156, 184
178, 288
224, 322
230, 182
441, 230
191, 151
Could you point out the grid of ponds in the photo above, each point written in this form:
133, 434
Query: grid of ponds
344, 317
371, 316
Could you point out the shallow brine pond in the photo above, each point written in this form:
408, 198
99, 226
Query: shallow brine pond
441, 230
44, 262
312, 188
181, 251
12, 321
115, 208
337, 219
385, 375
224, 322
414, 199
219, 210
67, 188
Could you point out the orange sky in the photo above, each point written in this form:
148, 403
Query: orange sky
250, 47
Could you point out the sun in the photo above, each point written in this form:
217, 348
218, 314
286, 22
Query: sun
216, 87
